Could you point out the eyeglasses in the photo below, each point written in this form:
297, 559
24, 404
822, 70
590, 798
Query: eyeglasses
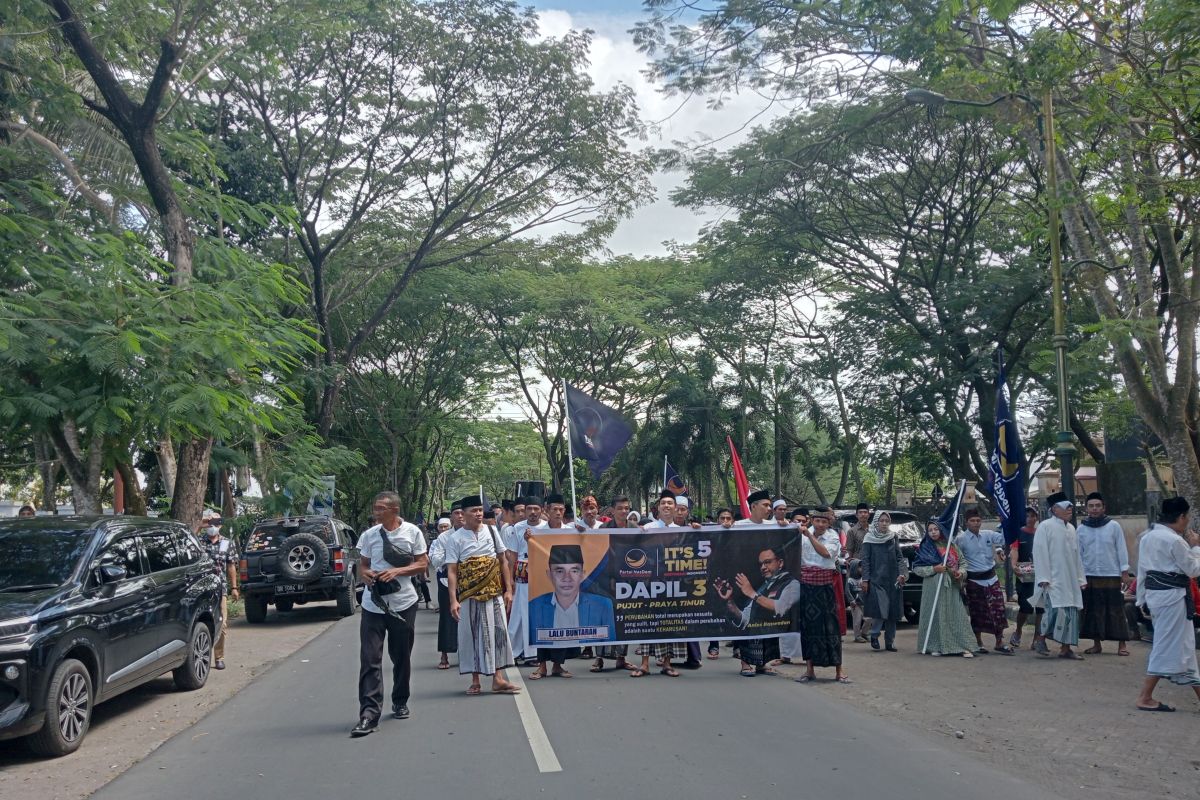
768, 561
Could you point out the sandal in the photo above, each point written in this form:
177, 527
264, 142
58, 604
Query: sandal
443, 665
562, 673
805, 679
474, 690
507, 689
748, 672
844, 679
670, 672
1094, 650
1071, 656
768, 671
714, 652
1004, 650
597, 666
1123, 652
536, 675
623, 664
638, 672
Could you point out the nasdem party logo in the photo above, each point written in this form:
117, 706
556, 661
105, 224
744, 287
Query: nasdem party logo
636, 559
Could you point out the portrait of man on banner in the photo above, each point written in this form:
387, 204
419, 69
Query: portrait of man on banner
568, 613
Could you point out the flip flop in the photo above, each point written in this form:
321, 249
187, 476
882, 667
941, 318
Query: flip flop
1004, 651
638, 672
1159, 707
507, 690
1094, 651
670, 672
844, 679
598, 666
1072, 656
536, 676
747, 673
713, 654
627, 665
1122, 652
805, 679
768, 671
474, 690
562, 673
444, 665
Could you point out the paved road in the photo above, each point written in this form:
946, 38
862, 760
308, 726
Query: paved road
707, 734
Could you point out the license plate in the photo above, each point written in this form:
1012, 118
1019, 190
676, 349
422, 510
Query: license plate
289, 588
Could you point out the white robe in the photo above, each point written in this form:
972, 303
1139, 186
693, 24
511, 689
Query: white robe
1056, 561
1173, 652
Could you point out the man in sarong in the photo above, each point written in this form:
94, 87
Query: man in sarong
820, 615
517, 542
1106, 568
1058, 577
447, 626
1168, 560
480, 592
985, 595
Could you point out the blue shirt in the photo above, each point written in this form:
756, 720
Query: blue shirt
979, 551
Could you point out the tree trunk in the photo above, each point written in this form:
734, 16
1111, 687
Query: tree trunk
165, 451
83, 472
1186, 467
191, 481
135, 497
43, 450
228, 506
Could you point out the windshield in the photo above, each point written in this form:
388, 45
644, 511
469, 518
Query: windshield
34, 558
271, 536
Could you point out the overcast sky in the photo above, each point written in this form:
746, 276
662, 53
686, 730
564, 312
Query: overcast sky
616, 60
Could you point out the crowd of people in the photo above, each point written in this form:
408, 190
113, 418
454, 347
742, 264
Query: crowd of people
1072, 582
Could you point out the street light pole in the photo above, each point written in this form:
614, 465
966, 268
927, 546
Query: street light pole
1064, 449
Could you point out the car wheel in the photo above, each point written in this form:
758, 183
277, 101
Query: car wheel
284, 605
346, 598
303, 557
193, 673
68, 711
256, 609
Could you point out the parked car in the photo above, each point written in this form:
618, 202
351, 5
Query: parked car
91, 607
293, 561
909, 530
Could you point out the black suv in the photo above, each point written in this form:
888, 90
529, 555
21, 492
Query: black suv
293, 561
91, 607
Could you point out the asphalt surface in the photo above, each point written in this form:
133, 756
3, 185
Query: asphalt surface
706, 734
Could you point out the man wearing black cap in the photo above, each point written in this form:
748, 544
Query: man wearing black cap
858, 531
756, 654
517, 543
1168, 560
1106, 569
556, 509
760, 509
567, 606
480, 591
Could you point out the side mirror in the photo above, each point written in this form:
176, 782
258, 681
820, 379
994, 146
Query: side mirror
111, 573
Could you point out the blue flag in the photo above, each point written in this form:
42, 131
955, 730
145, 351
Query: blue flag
671, 479
948, 521
597, 432
1006, 468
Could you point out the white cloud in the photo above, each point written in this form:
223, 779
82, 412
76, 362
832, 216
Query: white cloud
614, 60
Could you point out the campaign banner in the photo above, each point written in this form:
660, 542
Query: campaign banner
619, 586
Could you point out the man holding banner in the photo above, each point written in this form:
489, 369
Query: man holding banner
756, 654
556, 508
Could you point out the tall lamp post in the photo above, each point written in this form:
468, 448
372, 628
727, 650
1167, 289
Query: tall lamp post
1064, 450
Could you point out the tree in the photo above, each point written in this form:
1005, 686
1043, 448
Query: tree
453, 126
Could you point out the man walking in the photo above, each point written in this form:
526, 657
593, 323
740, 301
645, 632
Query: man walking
390, 553
480, 589
1106, 569
985, 595
556, 509
1168, 560
1058, 576
517, 543
224, 557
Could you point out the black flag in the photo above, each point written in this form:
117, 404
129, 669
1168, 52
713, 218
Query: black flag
597, 432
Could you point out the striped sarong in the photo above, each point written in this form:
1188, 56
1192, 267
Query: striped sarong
483, 645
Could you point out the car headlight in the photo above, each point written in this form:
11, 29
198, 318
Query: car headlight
16, 628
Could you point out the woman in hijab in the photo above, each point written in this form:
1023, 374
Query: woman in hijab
884, 571
944, 624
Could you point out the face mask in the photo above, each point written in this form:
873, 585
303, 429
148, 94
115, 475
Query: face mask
213, 530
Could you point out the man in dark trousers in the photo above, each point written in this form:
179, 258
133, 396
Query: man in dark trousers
389, 609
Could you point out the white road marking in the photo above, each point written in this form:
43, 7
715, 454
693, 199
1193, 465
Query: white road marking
535, 734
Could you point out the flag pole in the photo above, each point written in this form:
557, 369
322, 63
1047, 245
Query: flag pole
570, 453
665, 462
949, 543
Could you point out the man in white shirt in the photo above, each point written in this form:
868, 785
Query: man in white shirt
555, 509
1058, 576
389, 609
447, 625
779, 512
480, 591
517, 543
666, 512
1106, 569
1168, 558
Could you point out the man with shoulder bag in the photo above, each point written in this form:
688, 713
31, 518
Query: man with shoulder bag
390, 553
